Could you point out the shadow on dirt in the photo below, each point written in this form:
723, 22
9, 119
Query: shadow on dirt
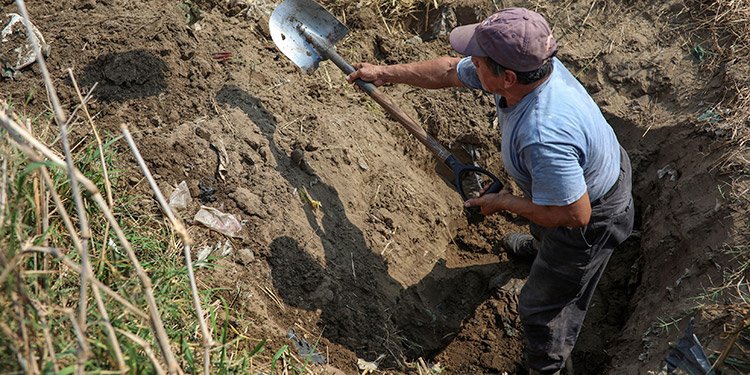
361, 306
126, 75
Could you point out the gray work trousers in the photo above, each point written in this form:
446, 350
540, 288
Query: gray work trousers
568, 265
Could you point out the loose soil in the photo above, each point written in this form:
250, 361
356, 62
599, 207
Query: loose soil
388, 265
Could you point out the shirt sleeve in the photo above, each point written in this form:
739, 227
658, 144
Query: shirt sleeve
556, 174
467, 73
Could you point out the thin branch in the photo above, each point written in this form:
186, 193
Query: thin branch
25, 339
110, 330
75, 189
59, 114
146, 348
12, 264
187, 243
69, 263
57, 254
42, 314
77, 243
105, 172
745, 323
3, 192
83, 346
12, 341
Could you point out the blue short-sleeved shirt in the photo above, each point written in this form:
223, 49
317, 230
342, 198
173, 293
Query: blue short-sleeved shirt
556, 143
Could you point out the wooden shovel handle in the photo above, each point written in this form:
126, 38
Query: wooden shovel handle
326, 50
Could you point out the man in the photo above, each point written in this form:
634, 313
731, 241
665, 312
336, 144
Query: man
562, 153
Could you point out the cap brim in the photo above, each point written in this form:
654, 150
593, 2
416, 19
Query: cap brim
463, 39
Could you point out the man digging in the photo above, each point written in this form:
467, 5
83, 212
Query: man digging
562, 153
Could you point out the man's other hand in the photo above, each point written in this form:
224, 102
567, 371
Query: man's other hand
489, 203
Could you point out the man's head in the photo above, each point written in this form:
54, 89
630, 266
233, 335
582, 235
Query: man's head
514, 38
511, 49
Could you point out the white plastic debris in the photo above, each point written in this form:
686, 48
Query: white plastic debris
180, 197
223, 250
16, 52
223, 159
226, 224
668, 170
368, 367
226, 249
204, 253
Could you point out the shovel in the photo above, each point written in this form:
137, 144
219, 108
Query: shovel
306, 33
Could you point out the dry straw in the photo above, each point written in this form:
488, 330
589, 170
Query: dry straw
25, 307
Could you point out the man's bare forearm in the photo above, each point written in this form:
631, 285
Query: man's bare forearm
574, 215
430, 74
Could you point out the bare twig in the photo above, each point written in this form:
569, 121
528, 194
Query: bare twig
735, 335
105, 172
3, 192
32, 367
51, 356
146, 348
75, 190
187, 243
13, 343
82, 344
9, 266
83, 103
69, 263
110, 330
57, 254
77, 243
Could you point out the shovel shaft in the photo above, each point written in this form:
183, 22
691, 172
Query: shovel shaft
326, 50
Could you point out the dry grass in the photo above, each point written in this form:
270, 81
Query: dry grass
724, 25
393, 14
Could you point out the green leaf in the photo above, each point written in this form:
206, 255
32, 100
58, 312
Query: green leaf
259, 348
188, 355
276, 357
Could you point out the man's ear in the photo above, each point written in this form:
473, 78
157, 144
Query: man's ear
510, 78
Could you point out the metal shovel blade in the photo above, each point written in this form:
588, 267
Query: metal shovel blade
285, 23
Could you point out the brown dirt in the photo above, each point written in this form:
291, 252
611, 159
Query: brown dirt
388, 265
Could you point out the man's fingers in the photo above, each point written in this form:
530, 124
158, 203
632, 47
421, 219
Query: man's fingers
472, 202
485, 188
353, 76
357, 73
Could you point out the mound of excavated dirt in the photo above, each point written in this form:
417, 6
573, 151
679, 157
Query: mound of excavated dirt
388, 265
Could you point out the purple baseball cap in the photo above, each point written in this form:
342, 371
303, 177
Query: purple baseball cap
516, 38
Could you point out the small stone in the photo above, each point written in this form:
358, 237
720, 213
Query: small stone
249, 202
310, 147
245, 256
263, 26
173, 117
363, 165
297, 156
247, 158
203, 133
253, 144
263, 154
86, 5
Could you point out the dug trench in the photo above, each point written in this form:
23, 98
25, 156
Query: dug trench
386, 268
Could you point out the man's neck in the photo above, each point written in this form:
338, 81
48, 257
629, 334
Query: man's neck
517, 93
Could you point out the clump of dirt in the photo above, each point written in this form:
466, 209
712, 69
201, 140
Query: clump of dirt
388, 265
128, 75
